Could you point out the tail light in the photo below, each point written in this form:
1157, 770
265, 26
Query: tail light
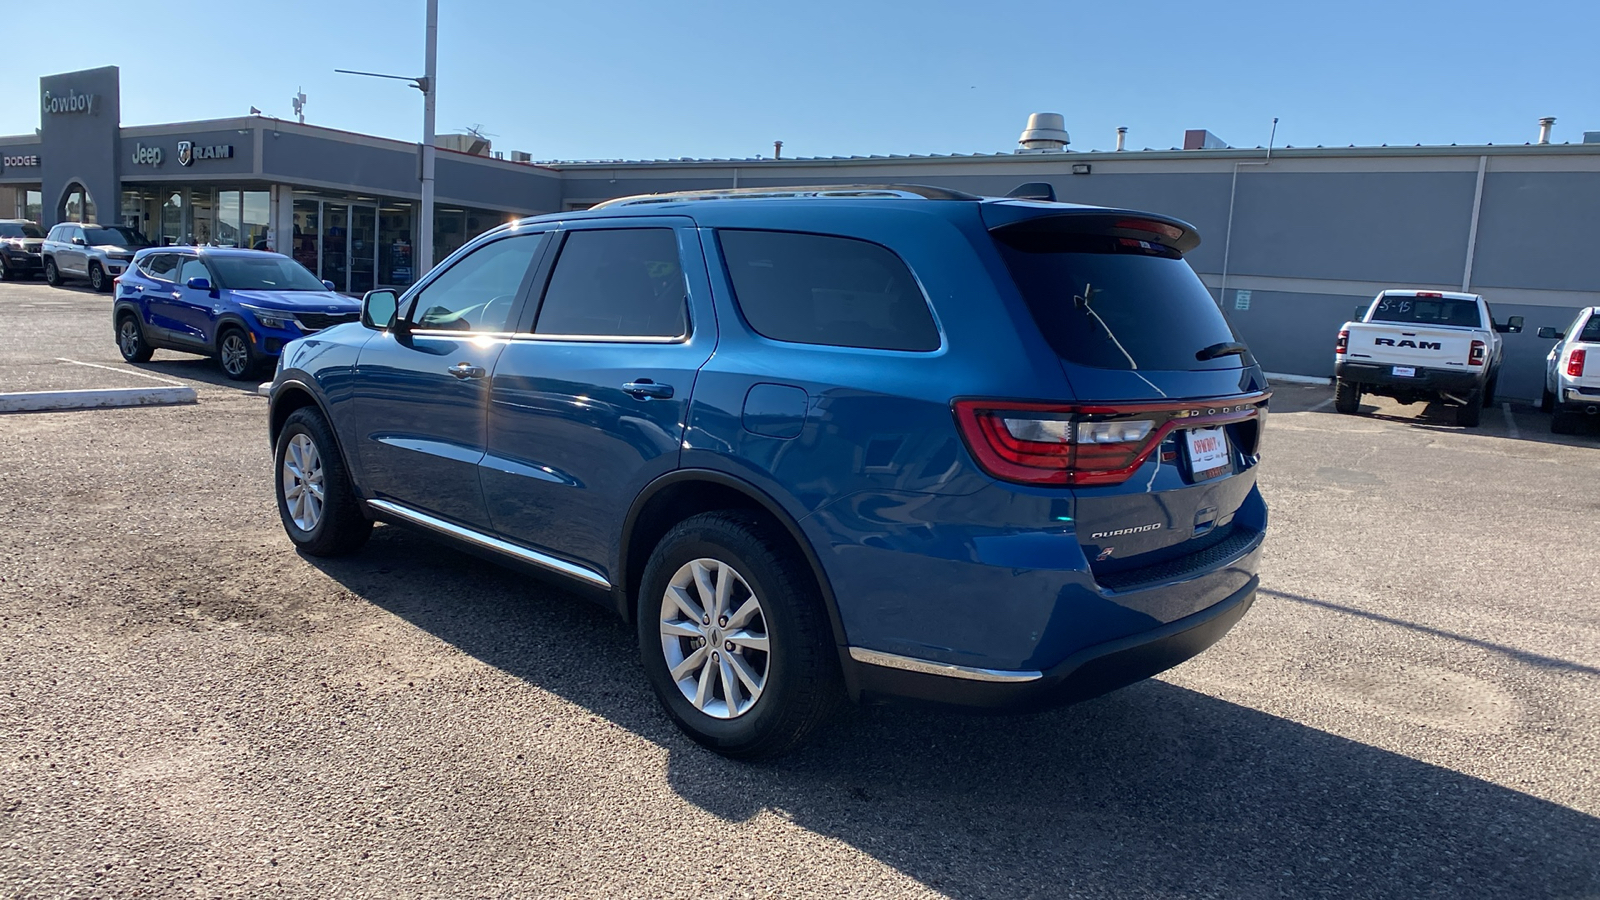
1343, 345
1475, 356
1575, 362
1072, 444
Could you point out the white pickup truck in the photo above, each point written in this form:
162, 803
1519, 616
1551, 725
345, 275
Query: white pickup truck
1422, 345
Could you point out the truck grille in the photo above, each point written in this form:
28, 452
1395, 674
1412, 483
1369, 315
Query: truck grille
319, 321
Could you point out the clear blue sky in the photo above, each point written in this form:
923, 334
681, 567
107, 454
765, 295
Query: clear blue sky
629, 78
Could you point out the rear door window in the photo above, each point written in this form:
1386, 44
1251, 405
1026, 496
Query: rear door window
625, 283
819, 289
163, 266
1116, 303
1427, 311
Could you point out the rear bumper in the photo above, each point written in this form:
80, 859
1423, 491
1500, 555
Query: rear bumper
1455, 381
1090, 672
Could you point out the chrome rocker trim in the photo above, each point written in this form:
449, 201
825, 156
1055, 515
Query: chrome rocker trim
480, 539
948, 670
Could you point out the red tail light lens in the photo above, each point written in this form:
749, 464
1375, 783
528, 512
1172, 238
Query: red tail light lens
1575, 362
1344, 342
1069, 444
1475, 356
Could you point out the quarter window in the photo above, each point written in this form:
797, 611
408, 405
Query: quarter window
163, 266
477, 292
617, 283
816, 289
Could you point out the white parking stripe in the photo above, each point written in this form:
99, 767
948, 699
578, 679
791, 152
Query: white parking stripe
1326, 402
1511, 424
123, 371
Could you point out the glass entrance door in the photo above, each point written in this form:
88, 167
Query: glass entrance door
335, 245
363, 248
202, 218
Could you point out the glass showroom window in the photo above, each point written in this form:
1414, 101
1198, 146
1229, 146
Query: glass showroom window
256, 214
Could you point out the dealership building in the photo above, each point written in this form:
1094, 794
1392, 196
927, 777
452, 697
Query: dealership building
1293, 238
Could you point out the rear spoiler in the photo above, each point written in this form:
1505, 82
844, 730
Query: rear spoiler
1022, 216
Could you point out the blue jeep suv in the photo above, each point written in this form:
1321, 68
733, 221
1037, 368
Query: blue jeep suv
239, 306
816, 443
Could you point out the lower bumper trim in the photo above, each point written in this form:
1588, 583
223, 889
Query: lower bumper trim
947, 670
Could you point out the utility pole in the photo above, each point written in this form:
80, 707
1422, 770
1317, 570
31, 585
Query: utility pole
430, 91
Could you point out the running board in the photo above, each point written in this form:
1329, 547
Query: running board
479, 539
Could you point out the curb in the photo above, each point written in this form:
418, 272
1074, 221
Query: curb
1298, 379
43, 401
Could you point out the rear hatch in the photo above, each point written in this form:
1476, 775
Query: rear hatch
1163, 434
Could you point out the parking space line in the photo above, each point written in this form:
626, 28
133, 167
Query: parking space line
1327, 402
123, 371
1511, 424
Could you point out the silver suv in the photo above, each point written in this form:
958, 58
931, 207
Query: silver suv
97, 253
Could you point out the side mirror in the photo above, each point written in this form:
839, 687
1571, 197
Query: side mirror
1361, 312
328, 284
1514, 325
1548, 332
198, 284
378, 308
80, 241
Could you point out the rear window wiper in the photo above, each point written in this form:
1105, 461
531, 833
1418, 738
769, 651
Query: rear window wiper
1226, 348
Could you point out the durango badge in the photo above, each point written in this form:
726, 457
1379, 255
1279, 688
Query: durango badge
1137, 529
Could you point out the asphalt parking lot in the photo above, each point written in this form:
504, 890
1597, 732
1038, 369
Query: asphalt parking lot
190, 708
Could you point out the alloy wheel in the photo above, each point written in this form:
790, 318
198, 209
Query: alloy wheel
97, 278
302, 476
128, 338
235, 355
714, 638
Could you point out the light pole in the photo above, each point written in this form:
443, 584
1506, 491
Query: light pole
428, 85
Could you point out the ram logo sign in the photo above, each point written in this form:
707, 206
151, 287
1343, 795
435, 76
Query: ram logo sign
1415, 345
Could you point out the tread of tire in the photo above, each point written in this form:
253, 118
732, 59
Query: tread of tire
345, 529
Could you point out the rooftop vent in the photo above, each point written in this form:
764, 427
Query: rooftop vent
1201, 139
1591, 137
1545, 124
1045, 132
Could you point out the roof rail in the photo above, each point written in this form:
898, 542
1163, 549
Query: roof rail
846, 191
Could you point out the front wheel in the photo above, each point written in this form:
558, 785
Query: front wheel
52, 275
316, 500
734, 636
1347, 397
98, 279
235, 356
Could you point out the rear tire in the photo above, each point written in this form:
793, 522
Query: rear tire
780, 657
235, 356
130, 339
1547, 401
5, 271
1347, 397
1489, 392
316, 501
1471, 413
1564, 422
52, 275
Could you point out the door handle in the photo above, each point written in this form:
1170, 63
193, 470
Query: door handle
466, 370
645, 389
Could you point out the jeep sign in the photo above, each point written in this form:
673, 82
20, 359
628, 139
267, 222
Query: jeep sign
146, 156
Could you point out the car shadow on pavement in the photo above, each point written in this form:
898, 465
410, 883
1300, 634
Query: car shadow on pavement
1532, 425
1154, 790
199, 368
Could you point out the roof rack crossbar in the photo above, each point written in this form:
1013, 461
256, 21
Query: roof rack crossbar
844, 191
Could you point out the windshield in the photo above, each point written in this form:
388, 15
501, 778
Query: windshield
20, 230
114, 235
1115, 303
262, 273
1427, 311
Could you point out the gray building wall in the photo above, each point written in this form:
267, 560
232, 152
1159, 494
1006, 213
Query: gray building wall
1314, 233
82, 147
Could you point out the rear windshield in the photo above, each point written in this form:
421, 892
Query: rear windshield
1427, 311
1116, 303
262, 273
1591, 331
20, 230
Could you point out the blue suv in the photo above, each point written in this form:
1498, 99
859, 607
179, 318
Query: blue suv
238, 306
816, 443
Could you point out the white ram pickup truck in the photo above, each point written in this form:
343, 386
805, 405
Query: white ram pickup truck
1572, 372
1422, 345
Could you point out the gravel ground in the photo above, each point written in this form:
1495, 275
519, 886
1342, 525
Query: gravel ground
189, 708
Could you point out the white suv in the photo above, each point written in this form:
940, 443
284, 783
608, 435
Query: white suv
1572, 372
97, 253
